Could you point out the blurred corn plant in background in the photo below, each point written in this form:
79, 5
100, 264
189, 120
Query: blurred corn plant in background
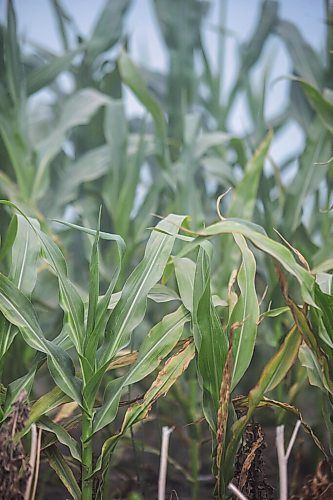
81, 156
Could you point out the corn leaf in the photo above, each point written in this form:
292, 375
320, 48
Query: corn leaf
63, 436
274, 371
78, 110
162, 338
18, 310
132, 77
269, 246
210, 338
131, 307
169, 374
185, 272
44, 74
59, 464
245, 312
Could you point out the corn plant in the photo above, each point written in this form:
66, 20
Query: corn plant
225, 340
90, 343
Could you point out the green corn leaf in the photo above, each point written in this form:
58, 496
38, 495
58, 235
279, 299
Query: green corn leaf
78, 110
13, 57
159, 342
63, 436
8, 334
269, 246
245, 195
25, 251
325, 302
162, 293
322, 106
78, 172
243, 202
132, 77
43, 75
147, 207
93, 284
23, 270
157, 345
42, 406
210, 338
246, 312
252, 48
131, 307
159, 294
185, 272
308, 360
8, 241
14, 389
95, 331
58, 463
18, 310
308, 177
130, 184
62, 369
291, 345
70, 423
71, 300
116, 134
107, 30
306, 62
92, 232
273, 313
55, 397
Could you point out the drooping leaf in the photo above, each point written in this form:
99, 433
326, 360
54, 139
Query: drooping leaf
169, 374
58, 462
18, 310
156, 346
48, 402
63, 436
23, 270
267, 245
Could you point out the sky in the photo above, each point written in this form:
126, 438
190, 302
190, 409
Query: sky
35, 23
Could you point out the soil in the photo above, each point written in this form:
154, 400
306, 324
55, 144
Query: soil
135, 467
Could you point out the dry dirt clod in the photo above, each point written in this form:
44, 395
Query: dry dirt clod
249, 468
320, 486
14, 462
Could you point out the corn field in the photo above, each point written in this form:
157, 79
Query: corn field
162, 277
